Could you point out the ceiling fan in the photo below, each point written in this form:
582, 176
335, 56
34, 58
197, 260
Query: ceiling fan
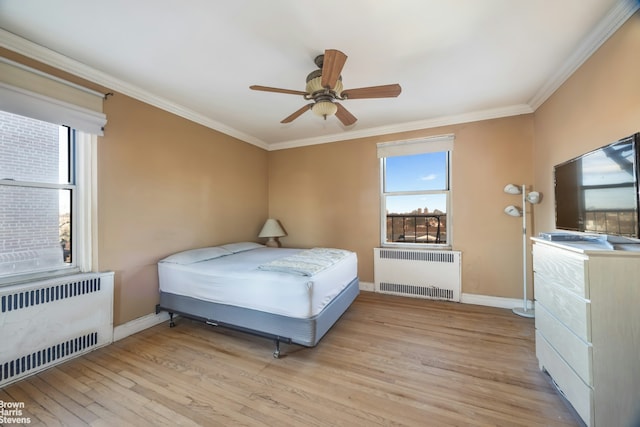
324, 87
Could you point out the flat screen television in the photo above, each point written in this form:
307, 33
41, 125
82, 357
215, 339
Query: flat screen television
597, 192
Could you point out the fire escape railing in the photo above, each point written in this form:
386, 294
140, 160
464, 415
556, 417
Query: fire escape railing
416, 228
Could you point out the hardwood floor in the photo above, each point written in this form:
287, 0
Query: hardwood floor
388, 361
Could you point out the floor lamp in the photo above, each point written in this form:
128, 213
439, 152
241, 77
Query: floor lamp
533, 197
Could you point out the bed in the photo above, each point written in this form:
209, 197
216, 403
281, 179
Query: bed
287, 295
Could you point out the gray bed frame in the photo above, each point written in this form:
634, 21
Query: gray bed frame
290, 330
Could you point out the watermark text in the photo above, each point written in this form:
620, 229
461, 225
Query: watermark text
11, 413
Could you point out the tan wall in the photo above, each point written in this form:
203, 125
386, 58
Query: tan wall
329, 195
166, 184
597, 105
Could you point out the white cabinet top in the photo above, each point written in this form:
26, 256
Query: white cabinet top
599, 247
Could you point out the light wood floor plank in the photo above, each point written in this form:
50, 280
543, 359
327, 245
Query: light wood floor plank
56, 392
389, 361
68, 385
57, 414
196, 388
108, 402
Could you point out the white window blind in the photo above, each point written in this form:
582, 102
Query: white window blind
415, 146
32, 93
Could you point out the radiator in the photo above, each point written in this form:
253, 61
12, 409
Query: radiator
48, 322
426, 274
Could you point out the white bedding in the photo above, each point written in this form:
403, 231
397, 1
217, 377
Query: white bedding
235, 279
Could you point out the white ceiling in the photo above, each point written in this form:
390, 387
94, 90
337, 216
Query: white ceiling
456, 60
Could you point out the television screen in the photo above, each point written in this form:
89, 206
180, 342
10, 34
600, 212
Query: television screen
598, 191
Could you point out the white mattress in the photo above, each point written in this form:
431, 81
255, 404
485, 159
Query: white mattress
236, 280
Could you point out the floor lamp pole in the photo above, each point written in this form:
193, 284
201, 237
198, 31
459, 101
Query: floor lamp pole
524, 312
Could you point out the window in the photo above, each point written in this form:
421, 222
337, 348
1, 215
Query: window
416, 192
48, 180
37, 194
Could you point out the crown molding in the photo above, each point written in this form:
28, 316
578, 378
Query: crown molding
618, 15
494, 113
49, 57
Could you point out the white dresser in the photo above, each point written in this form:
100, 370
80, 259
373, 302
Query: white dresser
588, 327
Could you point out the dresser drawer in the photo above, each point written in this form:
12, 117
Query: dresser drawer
561, 268
579, 394
567, 307
574, 351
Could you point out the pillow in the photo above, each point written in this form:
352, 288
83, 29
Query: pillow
241, 246
196, 255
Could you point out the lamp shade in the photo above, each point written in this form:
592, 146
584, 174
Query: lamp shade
272, 228
324, 108
512, 211
534, 197
512, 189
314, 84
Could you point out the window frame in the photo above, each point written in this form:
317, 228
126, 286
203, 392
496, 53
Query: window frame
32, 93
72, 186
415, 147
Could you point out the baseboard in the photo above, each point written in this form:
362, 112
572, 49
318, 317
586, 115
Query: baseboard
367, 286
487, 300
492, 301
139, 324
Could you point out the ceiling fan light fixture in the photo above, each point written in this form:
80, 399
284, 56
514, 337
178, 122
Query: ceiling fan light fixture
314, 85
324, 108
324, 87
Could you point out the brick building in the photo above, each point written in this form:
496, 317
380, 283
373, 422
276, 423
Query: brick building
30, 235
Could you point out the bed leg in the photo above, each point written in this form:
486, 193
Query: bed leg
171, 322
276, 353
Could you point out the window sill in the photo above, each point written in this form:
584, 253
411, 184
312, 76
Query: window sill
30, 277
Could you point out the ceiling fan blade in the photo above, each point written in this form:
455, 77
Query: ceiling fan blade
277, 90
345, 116
297, 114
385, 91
332, 65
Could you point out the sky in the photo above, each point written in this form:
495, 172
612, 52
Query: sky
413, 173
